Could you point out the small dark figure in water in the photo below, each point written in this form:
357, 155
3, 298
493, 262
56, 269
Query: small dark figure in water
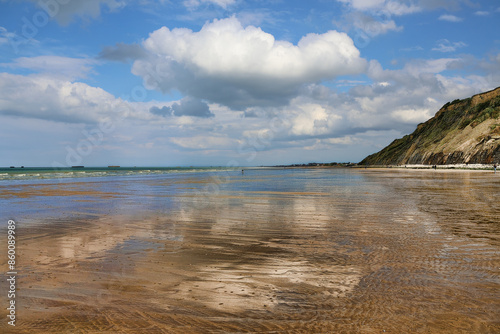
495, 168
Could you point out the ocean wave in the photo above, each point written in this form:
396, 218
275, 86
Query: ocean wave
50, 173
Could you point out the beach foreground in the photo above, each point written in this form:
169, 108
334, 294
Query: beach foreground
305, 251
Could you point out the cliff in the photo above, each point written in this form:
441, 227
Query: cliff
462, 131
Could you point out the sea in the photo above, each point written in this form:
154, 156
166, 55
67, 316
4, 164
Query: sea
37, 173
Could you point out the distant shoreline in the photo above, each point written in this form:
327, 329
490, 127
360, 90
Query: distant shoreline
483, 167
405, 166
291, 166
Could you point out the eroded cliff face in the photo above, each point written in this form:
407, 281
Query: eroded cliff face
462, 131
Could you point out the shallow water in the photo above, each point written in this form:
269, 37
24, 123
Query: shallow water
14, 174
295, 250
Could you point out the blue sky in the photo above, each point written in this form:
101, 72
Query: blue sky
232, 82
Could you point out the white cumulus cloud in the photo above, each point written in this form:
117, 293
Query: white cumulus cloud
447, 46
65, 11
389, 7
482, 13
375, 17
192, 4
56, 66
372, 26
232, 65
313, 119
450, 18
47, 98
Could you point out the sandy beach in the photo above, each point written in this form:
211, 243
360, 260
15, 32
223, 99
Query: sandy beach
270, 251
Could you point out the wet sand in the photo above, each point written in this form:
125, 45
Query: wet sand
303, 251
